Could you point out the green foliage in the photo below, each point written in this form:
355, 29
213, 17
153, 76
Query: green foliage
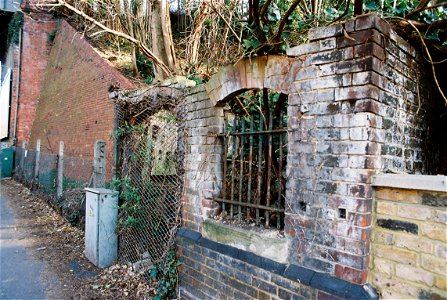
251, 44
131, 202
69, 184
73, 218
263, 39
145, 67
51, 36
401, 8
251, 102
14, 27
195, 78
167, 277
127, 129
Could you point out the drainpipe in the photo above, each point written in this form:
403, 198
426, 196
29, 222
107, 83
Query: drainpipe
14, 139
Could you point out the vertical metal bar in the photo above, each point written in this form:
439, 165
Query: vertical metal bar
224, 181
278, 219
269, 172
250, 161
258, 197
241, 174
233, 164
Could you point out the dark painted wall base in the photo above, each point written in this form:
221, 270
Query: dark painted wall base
211, 270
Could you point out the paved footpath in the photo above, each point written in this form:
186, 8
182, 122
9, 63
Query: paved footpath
20, 273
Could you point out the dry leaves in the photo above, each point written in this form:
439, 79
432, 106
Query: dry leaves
120, 282
62, 246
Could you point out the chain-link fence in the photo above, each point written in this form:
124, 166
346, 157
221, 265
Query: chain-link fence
150, 136
39, 171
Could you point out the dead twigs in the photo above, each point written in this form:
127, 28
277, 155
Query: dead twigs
430, 60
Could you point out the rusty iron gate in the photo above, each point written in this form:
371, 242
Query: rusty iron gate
255, 151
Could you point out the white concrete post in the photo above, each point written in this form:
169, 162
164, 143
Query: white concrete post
60, 170
99, 164
22, 159
36, 166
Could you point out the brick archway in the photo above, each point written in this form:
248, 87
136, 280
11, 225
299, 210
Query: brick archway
273, 72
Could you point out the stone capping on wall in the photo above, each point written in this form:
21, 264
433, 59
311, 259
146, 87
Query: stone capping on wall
317, 280
266, 243
437, 183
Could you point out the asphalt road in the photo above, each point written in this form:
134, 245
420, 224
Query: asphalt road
20, 273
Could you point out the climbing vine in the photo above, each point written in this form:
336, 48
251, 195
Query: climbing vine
167, 277
14, 27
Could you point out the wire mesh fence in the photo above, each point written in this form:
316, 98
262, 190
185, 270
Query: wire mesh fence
39, 171
151, 151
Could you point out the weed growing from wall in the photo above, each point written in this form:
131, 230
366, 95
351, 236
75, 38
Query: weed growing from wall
14, 27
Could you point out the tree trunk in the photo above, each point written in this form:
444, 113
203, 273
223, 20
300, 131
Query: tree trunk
162, 44
193, 46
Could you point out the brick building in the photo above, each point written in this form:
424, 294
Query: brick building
63, 95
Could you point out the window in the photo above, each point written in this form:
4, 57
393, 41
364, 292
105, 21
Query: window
255, 153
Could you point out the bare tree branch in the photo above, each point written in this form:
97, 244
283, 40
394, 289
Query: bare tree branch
211, 4
439, 24
411, 23
422, 8
264, 9
348, 3
283, 23
143, 48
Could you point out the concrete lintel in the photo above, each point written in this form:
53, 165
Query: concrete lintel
436, 183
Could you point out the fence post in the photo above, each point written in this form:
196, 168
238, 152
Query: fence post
60, 170
99, 164
36, 166
22, 159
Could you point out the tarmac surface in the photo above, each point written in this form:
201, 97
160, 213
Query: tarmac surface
20, 273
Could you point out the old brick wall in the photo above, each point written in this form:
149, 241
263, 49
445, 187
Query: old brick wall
203, 167
34, 58
409, 258
12, 58
210, 270
73, 103
408, 102
354, 111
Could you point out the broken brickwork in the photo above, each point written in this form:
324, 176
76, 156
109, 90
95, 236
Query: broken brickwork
354, 110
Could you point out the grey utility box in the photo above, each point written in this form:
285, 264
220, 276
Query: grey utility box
101, 218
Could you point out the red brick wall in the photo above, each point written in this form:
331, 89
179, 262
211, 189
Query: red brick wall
73, 105
35, 51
